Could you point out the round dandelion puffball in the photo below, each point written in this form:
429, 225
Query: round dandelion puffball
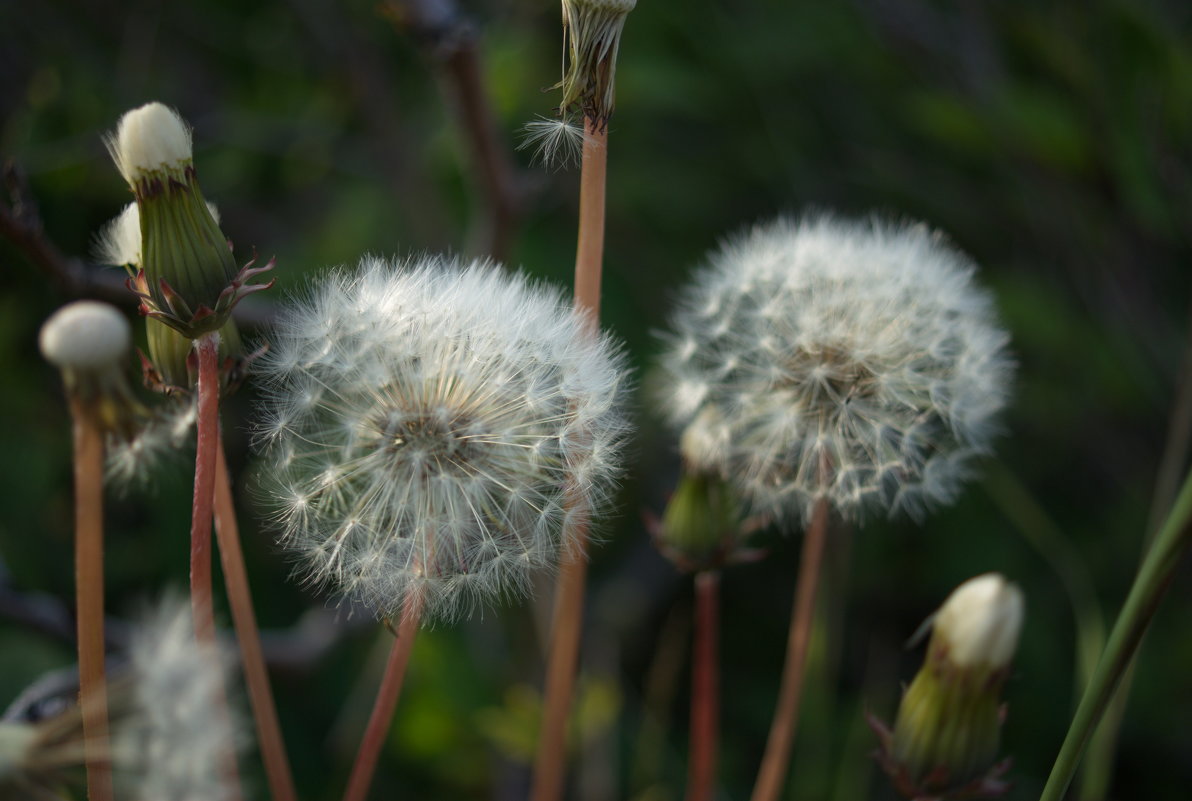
855, 362
435, 431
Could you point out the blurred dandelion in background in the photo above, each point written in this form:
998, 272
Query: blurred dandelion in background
434, 431
851, 361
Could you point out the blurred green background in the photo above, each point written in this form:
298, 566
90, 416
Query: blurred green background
1049, 140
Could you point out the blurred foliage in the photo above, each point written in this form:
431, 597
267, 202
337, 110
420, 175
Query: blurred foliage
1049, 140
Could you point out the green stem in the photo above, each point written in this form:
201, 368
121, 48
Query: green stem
1147, 591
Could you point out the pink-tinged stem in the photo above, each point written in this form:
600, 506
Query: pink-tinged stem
382, 714
567, 621
201, 594
201, 600
260, 694
89, 601
772, 773
705, 689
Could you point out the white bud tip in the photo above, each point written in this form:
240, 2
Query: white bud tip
152, 137
981, 620
85, 335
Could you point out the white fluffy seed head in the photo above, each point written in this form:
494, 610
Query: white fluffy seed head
979, 623
86, 336
179, 728
150, 139
851, 361
434, 431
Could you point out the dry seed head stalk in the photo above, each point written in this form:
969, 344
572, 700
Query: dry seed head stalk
592, 39
436, 430
851, 361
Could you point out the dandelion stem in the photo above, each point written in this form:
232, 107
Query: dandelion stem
1150, 584
589, 251
201, 602
772, 774
273, 750
705, 690
382, 714
93, 699
567, 621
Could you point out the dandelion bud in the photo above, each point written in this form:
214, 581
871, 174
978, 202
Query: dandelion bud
700, 522
188, 278
89, 341
855, 363
592, 29
948, 726
435, 431
119, 244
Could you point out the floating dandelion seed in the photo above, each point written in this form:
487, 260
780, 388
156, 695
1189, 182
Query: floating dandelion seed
557, 142
436, 431
855, 362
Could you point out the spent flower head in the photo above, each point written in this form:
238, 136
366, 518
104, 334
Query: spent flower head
188, 278
854, 362
435, 430
592, 34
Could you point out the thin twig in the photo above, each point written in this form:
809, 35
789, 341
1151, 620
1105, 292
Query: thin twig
705, 689
377, 730
93, 699
773, 769
450, 40
260, 694
567, 622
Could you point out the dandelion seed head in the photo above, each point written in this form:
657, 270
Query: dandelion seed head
178, 729
425, 449
851, 361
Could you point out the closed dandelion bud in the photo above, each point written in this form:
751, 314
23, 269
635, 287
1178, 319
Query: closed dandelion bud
592, 29
435, 431
855, 363
946, 736
88, 342
700, 523
188, 278
119, 244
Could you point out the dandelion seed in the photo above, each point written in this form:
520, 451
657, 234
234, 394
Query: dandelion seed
557, 142
855, 362
424, 422
166, 433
